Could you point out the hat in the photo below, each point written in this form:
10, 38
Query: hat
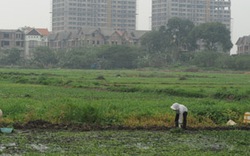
175, 106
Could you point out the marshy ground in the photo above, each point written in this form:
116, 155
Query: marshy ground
43, 138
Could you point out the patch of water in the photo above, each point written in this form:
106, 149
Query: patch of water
39, 147
142, 146
9, 145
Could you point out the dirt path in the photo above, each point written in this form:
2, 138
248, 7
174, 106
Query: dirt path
40, 124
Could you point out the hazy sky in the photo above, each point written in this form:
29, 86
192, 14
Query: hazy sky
36, 13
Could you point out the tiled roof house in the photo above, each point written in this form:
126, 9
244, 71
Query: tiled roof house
94, 37
243, 45
34, 38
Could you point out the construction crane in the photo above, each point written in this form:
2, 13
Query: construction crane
109, 13
208, 10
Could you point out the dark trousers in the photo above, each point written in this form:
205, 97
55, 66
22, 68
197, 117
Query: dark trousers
184, 126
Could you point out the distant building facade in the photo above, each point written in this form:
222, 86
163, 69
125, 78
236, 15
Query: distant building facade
72, 15
12, 39
28, 39
197, 11
243, 45
35, 37
24, 39
94, 37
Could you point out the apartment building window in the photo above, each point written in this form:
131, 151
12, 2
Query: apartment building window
33, 44
19, 44
19, 36
6, 35
5, 43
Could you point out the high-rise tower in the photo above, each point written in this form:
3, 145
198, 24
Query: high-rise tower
197, 11
70, 15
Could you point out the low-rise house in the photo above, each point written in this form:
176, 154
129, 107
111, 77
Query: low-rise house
243, 45
118, 37
94, 37
35, 37
27, 39
135, 36
12, 39
59, 40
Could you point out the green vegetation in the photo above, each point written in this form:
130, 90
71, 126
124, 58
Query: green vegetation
134, 99
127, 97
173, 45
196, 143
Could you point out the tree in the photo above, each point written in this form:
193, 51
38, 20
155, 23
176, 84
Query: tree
119, 56
179, 30
83, 57
44, 57
166, 44
215, 36
155, 41
206, 58
11, 57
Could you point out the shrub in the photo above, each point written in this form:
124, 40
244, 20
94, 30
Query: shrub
215, 114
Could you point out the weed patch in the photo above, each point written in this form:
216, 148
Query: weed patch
230, 94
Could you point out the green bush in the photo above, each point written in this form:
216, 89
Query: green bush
213, 113
74, 113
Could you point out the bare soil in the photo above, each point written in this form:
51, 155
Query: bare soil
40, 124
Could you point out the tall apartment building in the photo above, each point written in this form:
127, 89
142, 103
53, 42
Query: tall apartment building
71, 15
197, 11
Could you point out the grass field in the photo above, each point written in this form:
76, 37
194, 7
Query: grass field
122, 97
129, 98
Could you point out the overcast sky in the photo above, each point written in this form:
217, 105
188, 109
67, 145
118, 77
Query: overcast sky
36, 13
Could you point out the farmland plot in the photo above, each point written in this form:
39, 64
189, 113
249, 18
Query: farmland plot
127, 97
53, 112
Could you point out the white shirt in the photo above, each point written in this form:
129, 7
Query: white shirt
180, 109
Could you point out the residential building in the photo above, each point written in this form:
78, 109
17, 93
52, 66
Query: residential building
25, 39
197, 11
35, 37
243, 45
72, 15
94, 37
12, 39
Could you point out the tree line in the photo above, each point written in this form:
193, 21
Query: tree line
179, 43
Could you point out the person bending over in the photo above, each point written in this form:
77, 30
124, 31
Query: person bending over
181, 115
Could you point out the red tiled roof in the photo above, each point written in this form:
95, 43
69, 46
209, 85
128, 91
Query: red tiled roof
119, 32
43, 31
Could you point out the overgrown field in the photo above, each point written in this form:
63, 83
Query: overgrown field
131, 98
